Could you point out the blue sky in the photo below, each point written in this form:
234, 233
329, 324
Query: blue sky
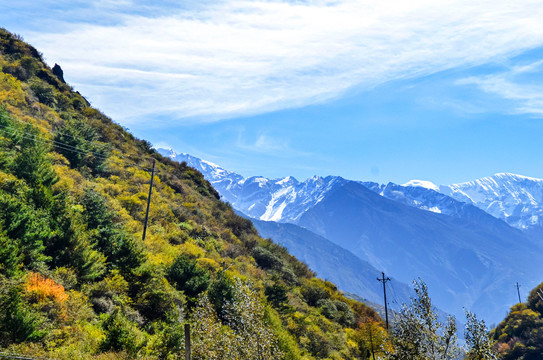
381, 91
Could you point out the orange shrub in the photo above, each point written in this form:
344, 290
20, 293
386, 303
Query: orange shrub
41, 289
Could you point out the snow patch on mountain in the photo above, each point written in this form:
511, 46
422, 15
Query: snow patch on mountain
423, 184
281, 200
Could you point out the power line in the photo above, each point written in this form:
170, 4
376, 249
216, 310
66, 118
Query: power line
37, 138
65, 134
395, 298
68, 147
43, 127
62, 145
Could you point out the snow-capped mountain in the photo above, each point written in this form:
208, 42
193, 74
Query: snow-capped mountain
212, 172
516, 199
424, 196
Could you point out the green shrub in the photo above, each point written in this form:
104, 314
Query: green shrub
276, 294
313, 292
78, 142
221, 292
345, 315
158, 300
121, 248
266, 260
10, 258
43, 92
328, 308
119, 334
17, 322
186, 276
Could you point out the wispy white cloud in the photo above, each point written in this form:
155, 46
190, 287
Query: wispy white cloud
269, 145
526, 94
231, 58
266, 144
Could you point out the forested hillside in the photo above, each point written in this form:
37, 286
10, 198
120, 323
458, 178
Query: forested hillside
77, 280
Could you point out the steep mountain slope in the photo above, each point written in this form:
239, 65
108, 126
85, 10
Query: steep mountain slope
334, 263
78, 280
516, 199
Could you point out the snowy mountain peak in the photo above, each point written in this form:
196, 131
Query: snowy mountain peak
213, 165
259, 180
422, 183
168, 152
287, 180
211, 171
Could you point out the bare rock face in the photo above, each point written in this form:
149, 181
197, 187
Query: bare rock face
57, 70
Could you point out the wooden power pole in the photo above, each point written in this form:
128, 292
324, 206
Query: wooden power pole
518, 292
187, 342
148, 201
384, 280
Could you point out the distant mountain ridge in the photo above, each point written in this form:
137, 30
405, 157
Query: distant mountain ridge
468, 256
516, 199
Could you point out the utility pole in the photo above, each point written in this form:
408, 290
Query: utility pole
518, 292
224, 268
148, 201
384, 280
187, 342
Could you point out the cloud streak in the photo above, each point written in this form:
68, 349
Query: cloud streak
520, 84
234, 58
269, 145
